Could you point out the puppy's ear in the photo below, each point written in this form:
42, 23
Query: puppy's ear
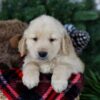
66, 45
14, 40
22, 46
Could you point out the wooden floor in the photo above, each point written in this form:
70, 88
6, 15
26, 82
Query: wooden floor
2, 97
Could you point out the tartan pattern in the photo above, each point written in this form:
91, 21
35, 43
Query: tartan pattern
12, 87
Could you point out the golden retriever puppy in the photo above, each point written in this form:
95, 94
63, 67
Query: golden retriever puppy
48, 49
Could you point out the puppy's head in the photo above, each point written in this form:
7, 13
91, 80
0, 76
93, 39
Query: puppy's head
44, 39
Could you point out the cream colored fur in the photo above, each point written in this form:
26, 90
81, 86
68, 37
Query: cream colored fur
62, 60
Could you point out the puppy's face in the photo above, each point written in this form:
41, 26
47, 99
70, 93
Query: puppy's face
43, 46
42, 40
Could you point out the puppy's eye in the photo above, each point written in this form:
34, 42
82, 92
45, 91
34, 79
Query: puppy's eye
35, 39
52, 39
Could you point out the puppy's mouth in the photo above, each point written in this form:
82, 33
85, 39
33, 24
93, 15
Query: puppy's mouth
43, 58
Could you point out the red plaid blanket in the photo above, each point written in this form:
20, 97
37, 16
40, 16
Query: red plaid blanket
12, 87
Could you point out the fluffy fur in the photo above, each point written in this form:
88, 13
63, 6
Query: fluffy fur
10, 33
47, 34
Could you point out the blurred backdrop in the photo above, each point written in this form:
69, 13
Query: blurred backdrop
84, 14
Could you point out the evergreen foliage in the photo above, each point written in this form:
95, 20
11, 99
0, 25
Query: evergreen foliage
82, 15
92, 87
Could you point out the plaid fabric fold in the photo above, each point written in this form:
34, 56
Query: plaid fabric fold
12, 87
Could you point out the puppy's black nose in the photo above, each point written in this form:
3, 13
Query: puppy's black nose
42, 54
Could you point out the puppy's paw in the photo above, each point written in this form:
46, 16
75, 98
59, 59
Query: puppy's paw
59, 85
30, 81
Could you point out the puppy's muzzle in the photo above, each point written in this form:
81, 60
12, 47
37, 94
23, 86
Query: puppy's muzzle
42, 55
